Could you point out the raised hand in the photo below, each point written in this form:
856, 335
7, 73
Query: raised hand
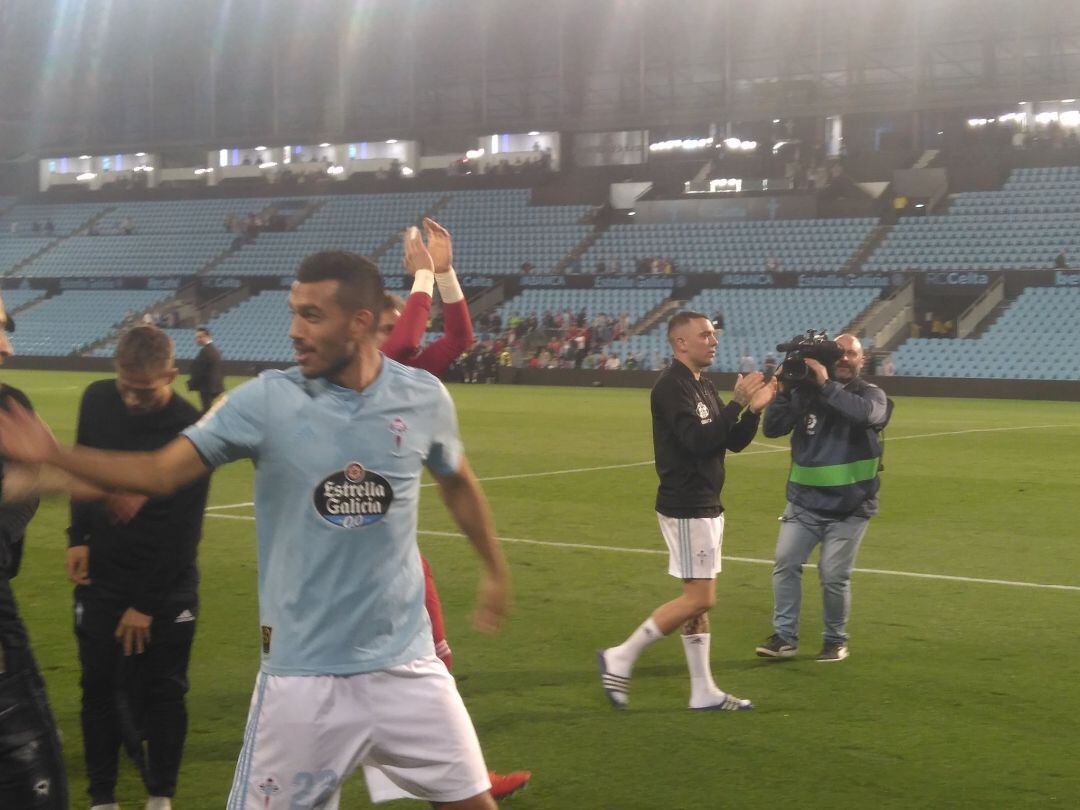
416, 252
764, 395
746, 386
438, 243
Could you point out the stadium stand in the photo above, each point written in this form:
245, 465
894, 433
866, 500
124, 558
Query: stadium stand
1035, 338
805, 245
65, 218
136, 255
15, 250
71, 321
635, 303
357, 222
496, 231
756, 320
1020, 227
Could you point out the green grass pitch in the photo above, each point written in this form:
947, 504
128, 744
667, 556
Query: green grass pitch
958, 693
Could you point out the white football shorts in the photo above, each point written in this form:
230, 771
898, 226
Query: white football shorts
695, 545
307, 733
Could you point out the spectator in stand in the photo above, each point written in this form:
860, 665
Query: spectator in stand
50, 228
631, 362
526, 268
747, 363
772, 264
1061, 261
36, 227
126, 226
888, 368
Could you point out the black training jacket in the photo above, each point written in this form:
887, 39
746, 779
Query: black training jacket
692, 431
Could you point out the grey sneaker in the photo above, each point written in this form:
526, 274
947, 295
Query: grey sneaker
833, 651
777, 647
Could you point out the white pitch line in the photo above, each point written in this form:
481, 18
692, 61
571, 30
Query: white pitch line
769, 449
755, 561
752, 560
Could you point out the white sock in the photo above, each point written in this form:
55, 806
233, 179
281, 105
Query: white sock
621, 659
703, 690
113, 806
159, 803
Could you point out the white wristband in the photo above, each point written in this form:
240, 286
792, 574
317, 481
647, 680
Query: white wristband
449, 288
424, 281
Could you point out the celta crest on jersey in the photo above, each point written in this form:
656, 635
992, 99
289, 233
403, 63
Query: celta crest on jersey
353, 497
399, 429
703, 413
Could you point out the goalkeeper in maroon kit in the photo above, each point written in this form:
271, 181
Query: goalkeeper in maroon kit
401, 330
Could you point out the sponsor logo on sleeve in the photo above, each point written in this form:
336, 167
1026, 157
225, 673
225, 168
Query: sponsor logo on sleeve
267, 634
353, 497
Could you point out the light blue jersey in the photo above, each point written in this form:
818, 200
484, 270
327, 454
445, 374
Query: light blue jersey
337, 484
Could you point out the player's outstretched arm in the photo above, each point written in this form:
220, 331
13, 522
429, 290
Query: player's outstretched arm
24, 437
465, 499
24, 482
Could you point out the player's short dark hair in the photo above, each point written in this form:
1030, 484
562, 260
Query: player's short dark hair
359, 284
392, 301
202, 329
144, 348
683, 318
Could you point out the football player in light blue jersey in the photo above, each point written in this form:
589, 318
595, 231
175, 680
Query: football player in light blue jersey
349, 674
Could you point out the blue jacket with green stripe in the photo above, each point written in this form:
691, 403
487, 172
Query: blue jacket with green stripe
835, 444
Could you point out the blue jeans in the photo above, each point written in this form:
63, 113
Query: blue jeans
800, 531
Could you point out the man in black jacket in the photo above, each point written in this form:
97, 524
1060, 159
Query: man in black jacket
831, 491
207, 376
133, 562
31, 766
692, 431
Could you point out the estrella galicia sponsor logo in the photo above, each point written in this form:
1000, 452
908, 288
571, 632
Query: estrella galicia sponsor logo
353, 497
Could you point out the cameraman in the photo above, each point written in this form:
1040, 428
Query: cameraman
831, 491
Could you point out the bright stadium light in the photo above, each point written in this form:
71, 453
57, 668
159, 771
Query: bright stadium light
535, 132
335, 170
85, 177
392, 140
407, 172
1068, 100
260, 148
268, 164
473, 154
140, 154
1070, 118
323, 145
85, 157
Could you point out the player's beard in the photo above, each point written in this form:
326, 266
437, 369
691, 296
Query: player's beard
335, 369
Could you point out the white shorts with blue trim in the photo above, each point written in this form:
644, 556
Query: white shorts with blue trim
695, 545
307, 733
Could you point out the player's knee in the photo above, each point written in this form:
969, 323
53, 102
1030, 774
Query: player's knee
701, 603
